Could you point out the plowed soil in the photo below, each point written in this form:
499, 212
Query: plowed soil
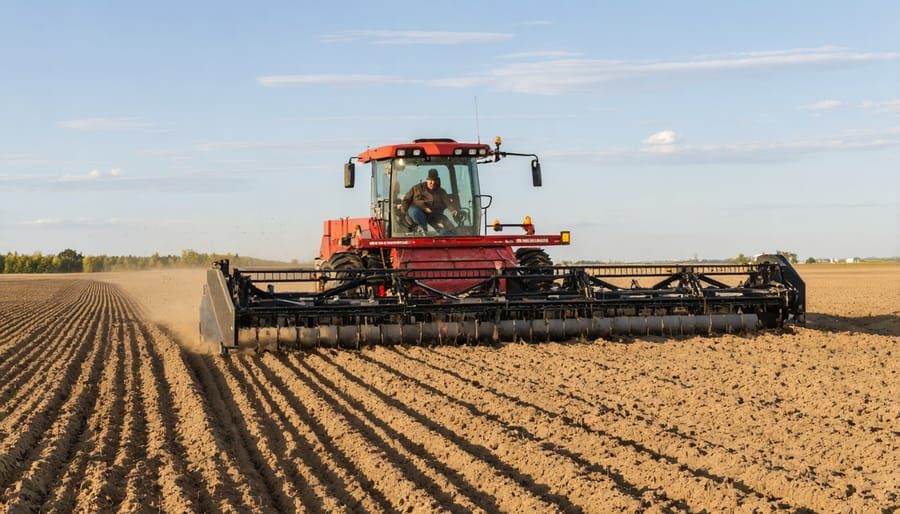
108, 404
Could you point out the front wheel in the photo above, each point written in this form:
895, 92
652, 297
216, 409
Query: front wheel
339, 269
536, 268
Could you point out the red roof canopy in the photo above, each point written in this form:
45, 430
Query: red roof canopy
430, 147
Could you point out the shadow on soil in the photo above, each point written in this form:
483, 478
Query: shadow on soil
883, 324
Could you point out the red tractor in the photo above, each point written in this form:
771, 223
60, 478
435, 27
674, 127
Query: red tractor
392, 238
426, 268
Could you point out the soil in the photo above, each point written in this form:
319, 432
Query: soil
108, 403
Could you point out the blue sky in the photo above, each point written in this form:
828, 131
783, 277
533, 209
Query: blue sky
666, 130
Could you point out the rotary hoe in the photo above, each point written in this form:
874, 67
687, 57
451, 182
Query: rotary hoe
407, 274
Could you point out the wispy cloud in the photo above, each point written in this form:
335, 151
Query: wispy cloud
822, 105
665, 137
64, 223
413, 37
540, 54
116, 181
553, 77
104, 124
11, 160
92, 175
324, 79
664, 152
775, 53
557, 72
889, 107
220, 146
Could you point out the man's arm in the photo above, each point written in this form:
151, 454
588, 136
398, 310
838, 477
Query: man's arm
448, 203
404, 205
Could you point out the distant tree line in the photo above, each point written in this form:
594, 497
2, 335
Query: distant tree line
71, 261
743, 259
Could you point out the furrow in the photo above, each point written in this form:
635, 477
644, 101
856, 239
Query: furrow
220, 479
329, 470
38, 349
24, 427
88, 469
178, 486
42, 324
55, 446
611, 418
476, 473
237, 420
492, 447
366, 474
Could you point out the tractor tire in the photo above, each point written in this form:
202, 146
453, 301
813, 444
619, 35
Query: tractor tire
377, 260
535, 261
340, 268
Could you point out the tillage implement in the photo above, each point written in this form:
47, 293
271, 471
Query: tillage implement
427, 268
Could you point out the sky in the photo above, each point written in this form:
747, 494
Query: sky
666, 130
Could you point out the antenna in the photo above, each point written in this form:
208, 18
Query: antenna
477, 128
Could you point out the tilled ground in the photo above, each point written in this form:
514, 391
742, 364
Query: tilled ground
105, 405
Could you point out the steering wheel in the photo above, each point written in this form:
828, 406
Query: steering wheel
462, 216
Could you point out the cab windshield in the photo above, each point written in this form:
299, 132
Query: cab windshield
458, 176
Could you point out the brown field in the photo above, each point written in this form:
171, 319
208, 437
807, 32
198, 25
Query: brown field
107, 404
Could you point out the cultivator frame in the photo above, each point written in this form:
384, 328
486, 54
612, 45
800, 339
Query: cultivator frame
349, 308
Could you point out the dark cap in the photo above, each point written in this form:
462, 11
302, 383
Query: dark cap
433, 174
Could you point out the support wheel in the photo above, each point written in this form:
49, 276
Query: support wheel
341, 268
377, 260
536, 268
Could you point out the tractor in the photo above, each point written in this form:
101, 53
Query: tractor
426, 267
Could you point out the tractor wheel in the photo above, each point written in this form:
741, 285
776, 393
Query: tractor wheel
340, 268
535, 261
377, 260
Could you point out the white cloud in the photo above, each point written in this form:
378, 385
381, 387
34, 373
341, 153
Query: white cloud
327, 80
792, 51
892, 107
43, 222
10, 160
665, 137
747, 151
92, 175
889, 107
553, 77
104, 124
116, 181
70, 223
412, 37
539, 54
554, 73
822, 105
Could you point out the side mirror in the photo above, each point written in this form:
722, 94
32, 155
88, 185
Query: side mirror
349, 175
536, 173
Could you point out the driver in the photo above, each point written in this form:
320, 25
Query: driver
425, 204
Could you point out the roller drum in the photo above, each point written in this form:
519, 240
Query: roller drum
488, 332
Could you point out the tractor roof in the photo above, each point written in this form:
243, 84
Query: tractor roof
426, 147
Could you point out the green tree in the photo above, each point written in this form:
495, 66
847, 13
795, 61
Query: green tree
790, 256
70, 261
9, 262
740, 259
810, 260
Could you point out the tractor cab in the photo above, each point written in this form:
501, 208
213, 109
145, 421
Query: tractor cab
398, 168
393, 178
